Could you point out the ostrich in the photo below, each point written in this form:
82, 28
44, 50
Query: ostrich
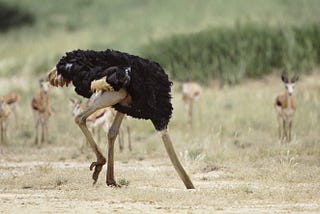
132, 85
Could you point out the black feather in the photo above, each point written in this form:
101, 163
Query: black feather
145, 81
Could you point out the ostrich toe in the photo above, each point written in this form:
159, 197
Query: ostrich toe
97, 169
113, 183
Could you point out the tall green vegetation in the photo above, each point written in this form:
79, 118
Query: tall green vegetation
127, 25
230, 54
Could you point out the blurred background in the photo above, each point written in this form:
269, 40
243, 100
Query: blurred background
204, 40
234, 49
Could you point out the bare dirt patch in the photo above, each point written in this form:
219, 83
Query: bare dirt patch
154, 187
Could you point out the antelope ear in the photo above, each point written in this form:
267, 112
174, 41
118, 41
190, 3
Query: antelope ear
284, 76
72, 100
295, 78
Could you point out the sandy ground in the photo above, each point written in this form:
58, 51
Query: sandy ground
29, 185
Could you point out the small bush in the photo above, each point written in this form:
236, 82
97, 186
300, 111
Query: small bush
123, 182
60, 181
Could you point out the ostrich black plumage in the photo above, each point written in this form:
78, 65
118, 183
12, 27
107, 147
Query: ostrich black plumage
140, 88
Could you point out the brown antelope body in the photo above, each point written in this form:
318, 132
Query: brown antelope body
4, 114
190, 93
285, 105
41, 108
12, 99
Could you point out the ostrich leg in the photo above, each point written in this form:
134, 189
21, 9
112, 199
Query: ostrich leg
174, 159
120, 140
103, 100
113, 132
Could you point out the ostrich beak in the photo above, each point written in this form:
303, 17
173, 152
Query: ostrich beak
56, 80
52, 76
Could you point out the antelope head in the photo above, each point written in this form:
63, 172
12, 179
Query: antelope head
289, 83
75, 106
44, 85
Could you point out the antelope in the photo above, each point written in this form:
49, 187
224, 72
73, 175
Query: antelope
101, 119
190, 93
285, 105
41, 108
4, 114
12, 100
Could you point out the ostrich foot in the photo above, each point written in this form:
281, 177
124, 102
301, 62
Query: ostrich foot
112, 183
97, 169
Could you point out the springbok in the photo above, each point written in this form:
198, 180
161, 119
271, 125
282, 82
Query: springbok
285, 105
101, 119
41, 108
190, 93
4, 114
12, 100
